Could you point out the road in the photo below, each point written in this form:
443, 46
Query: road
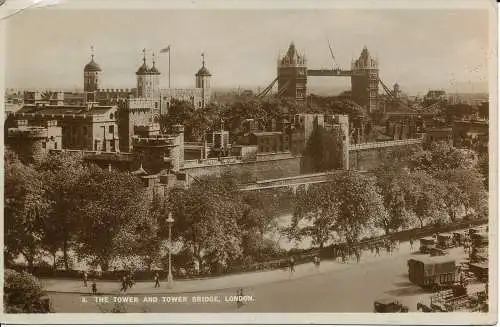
351, 288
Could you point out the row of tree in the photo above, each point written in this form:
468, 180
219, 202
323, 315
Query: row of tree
65, 209
62, 205
434, 185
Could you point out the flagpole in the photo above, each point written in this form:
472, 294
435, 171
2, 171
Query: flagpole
169, 68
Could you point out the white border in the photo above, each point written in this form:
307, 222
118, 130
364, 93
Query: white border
16, 6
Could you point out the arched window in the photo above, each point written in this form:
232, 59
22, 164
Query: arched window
111, 116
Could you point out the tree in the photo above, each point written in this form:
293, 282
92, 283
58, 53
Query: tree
484, 110
23, 294
425, 196
359, 204
465, 189
317, 207
59, 173
323, 149
392, 184
441, 156
206, 219
25, 209
112, 201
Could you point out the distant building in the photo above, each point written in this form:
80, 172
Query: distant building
435, 96
83, 127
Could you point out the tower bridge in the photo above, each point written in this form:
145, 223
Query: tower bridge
293, 73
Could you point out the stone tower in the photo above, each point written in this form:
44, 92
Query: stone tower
292, 75
364, 81
148, 79
203, 77
91, 78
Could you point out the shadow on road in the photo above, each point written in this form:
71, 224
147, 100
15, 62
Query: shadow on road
405, 291
402, 284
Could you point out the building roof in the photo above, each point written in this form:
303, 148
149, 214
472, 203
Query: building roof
143, 70
292, 56
92, 66
63, 110
203, 71
266, 133
153, 70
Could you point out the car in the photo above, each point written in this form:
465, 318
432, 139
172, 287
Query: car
388, 305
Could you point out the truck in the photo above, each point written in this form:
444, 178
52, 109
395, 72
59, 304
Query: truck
434, 273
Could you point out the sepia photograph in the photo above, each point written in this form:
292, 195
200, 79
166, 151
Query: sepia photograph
250, 160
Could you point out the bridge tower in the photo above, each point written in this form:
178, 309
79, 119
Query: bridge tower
292, 75
364, 81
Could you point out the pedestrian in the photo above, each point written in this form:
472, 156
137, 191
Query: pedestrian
157, 280
291, 263
94, 288
377, 250
85, 278
130, 280
317, 262
124, 284
239, 296
411, 244
358, 254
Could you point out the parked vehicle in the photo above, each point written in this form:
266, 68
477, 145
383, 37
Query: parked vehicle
480, 270
444, 241
388, 305
479, 250
436, 251
433, 272
458, 238
426, 243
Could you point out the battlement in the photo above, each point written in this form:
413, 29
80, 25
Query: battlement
181, 92
115, 91
154, 141
140, 103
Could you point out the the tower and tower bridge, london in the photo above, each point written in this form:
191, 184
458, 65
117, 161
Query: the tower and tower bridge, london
119, 128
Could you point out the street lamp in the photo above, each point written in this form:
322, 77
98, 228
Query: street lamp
170, 222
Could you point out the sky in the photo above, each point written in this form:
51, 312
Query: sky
419, 49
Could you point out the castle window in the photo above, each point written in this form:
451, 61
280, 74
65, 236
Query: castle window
111, 116
156, 105
199, 103
111, 128
55, 145
44, 145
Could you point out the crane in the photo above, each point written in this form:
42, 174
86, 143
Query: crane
335, 66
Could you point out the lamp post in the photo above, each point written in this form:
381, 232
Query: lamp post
170, 222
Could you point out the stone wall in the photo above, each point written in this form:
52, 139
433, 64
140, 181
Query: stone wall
252, 170
367, 159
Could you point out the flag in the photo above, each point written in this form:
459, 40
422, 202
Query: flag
167, 49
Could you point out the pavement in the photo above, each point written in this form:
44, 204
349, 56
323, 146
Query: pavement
242, 280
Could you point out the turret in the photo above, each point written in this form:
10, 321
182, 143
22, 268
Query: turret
148, 79
91, 78
203, 77
292, 75
364, 81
